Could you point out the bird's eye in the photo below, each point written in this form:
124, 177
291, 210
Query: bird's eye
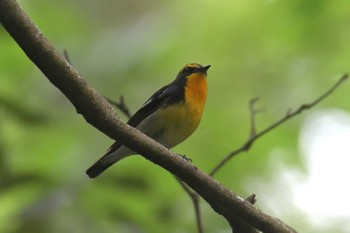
187, 70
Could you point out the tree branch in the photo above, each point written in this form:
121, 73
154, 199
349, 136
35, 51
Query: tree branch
195, 201
239, 226
121, 105
96, 111
253, 136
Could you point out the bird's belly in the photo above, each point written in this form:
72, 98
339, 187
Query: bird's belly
172, 125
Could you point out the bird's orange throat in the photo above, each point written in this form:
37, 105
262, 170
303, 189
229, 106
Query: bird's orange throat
196, 94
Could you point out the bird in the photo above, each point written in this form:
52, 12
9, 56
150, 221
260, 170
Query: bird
169, 116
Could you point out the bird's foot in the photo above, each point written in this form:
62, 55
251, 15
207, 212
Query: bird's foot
185, 158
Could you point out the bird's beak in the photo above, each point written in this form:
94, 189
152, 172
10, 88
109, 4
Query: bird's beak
204, 69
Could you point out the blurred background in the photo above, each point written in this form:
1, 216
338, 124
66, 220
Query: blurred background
285, 52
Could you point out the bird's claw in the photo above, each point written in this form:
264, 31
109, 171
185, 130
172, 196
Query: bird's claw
187, 159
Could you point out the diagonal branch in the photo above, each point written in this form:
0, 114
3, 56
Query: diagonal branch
97, 111
253, 136
121, 105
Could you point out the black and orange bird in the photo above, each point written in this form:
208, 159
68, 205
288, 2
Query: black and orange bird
169, 116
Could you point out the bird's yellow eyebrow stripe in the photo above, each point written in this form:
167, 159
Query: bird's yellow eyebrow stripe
191, 65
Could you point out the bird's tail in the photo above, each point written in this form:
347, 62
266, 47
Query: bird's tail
110, 158
98, 168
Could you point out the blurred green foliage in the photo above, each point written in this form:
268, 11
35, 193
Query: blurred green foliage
286, 52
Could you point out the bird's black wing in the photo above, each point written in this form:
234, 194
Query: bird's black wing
164, 96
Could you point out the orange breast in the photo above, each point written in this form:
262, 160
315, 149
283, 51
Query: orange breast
181, 121
195, 95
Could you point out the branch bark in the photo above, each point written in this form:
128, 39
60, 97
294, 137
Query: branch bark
96, 111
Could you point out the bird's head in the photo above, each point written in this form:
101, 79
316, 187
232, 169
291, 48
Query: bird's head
193, 70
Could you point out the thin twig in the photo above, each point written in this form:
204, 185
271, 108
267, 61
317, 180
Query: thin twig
195, 200
252, 116
290, 114
121, 105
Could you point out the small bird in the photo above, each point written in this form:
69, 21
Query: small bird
169, 116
